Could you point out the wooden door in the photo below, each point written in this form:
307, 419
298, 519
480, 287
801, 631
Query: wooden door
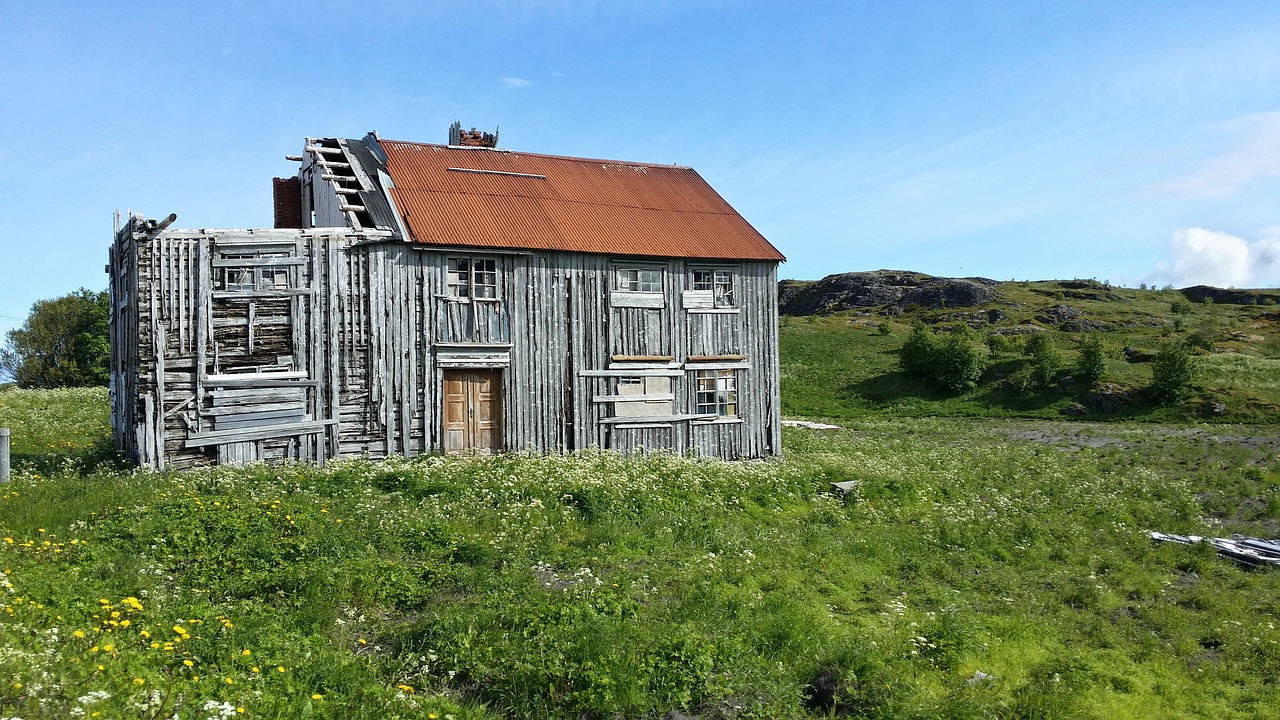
472, 411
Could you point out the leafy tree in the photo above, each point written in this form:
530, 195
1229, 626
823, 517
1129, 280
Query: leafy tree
1045, 361
959, 361
1092, 363
918, 351
62, 343
954, 362
1172, 372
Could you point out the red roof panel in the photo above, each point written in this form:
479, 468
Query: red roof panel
545, 202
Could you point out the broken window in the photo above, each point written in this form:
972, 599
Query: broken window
717, 282
717, 392
647, 280
473, 277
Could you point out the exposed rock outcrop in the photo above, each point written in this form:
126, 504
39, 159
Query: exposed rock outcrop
894, 290
1230, 296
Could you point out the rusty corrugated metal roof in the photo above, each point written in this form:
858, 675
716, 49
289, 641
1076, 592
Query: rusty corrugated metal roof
501, 199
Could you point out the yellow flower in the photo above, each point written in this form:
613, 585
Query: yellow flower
17, 686
188, 663
144, 634
229, 681
279, 668
254, 669
108, 647
240, 710
79, 634
245, 653
405, 688
362, 641
317, 696
139, 681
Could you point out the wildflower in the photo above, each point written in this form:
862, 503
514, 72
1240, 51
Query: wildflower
79, 634
108, 648
240, 710
229, 681
245, 653
188, 663
139, 681
17, 686
317, 696
279, 668
362, 641
254, 669
406, 688
145, 635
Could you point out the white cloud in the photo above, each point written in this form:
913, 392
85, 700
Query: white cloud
1211, 257
515, 82
1253, 154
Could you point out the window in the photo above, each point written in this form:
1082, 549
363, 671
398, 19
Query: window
256, 274
717, 282
239, 279
652, 396
717, 392
473, 277
647, 280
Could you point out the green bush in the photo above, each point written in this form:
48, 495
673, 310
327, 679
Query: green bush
1180, 307
1092, 363
954, 362
918, 352
959, 362
999, 344
1044, 360
1172, 372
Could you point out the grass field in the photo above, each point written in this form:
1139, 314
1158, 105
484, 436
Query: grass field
980, 569
845, 365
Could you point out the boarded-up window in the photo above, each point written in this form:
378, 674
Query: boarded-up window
652, 396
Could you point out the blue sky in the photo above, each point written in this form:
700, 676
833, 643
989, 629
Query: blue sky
1131, 142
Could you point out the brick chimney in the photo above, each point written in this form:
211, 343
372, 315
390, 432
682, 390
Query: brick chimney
288, 202
472, 137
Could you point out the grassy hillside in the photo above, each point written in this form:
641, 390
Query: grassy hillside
978, 569
842, 365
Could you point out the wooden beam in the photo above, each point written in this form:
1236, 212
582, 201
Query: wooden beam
222, 437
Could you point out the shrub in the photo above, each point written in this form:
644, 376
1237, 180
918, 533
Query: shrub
1092, 363
999, 344
959, 362
884, 328
1200, 340
1172, 372
919, 351
954, 363
1179, 307
1045, 362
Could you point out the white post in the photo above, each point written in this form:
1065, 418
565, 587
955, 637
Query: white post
4, 455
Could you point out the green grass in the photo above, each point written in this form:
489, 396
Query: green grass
595, 585
841, 366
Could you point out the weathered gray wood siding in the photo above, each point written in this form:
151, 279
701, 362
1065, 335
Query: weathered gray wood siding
348, 356
551, 325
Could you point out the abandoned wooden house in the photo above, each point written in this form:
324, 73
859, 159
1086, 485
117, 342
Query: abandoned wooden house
417, 298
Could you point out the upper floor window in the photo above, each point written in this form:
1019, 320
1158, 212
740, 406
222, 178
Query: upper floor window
256, 274
473, 278
647, 280
717, 282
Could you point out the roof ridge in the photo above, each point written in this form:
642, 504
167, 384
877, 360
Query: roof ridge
509, 151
